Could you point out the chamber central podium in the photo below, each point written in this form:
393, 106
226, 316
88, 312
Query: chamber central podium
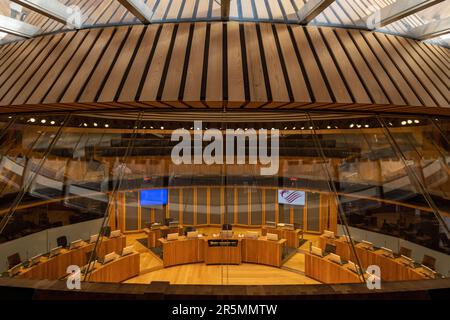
219, 250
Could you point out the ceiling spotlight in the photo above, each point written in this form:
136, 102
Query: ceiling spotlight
32, 120
303, 128
106, 125
410, 121
416, 121
310, 128
52, 122
95, 124
293, 128
328, 127
352, 125
43, 121
366, 126
162, 128
85, 124
358, 125
403, 123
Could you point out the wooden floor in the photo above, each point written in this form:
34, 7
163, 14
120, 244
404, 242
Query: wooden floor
244, 274
200, 273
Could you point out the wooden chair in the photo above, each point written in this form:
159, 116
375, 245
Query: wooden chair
14, 260
405, 252
429, 261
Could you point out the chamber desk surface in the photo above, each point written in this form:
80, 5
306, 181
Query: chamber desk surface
118, 270
56, 267
392, 269
291, 236
329, 272
216, 250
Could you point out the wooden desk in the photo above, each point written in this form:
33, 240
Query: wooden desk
154, 234
292, 236
328, 272
182, 251
391, 268
121, 269
343, 248
55, 268
263, 251
225, 254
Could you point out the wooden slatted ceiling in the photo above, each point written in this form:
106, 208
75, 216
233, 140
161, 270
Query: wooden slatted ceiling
224, 65
100, 12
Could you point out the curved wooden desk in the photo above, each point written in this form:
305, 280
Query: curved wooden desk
55, 268
328, 272
263, 251
121, 269
182, 251
292, 236
392, 269
153, 235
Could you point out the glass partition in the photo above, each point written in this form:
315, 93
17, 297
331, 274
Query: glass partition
347, 189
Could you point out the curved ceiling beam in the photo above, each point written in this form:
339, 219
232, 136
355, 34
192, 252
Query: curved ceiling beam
139, 9
431, 30
17, 27
397, 11
225, 9
52, 9
312, 9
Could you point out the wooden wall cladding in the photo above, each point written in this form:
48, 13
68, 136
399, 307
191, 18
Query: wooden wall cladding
224, 65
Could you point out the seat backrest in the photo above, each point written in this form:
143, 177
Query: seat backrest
88, 256
330, 248
106, 231
429, 261
405, 252
14, 260
61, 241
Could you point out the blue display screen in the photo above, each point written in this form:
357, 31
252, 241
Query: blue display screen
153, 197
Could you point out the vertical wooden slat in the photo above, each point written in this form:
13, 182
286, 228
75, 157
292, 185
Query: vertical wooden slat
192, 89
214, 92
258, 93
278, 87
93, 86
114, 79
82, 74
318, 86
155, 72
175, 71
359, 92
236, 89
71, 68
296, 77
